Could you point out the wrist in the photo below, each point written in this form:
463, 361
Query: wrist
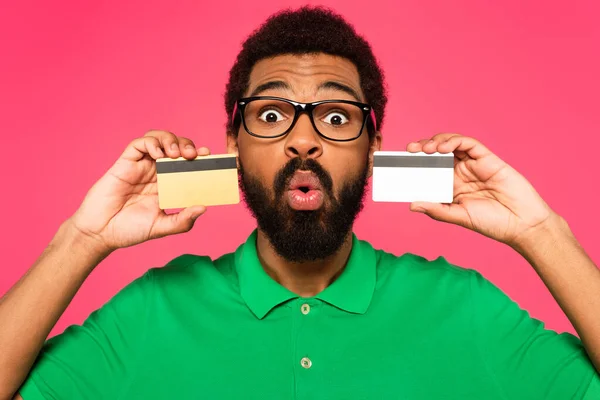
552, 232
77, 242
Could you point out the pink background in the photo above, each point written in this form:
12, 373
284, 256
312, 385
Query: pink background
79, 81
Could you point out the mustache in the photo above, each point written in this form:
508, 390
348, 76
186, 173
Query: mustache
286, 173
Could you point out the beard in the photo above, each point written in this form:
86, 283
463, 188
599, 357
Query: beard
299, 235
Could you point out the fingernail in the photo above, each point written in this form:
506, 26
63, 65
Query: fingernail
174, 146
189, 147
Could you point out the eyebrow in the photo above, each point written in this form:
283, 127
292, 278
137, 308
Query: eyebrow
273, 85
340, 87
281, 85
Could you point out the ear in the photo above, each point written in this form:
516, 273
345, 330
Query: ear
375, 145
232, 146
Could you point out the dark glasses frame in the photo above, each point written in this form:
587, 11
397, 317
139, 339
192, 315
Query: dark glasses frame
300, 108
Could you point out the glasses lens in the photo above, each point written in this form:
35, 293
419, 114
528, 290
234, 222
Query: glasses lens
338, 121
268, 117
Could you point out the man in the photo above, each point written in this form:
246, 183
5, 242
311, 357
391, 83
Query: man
303, 309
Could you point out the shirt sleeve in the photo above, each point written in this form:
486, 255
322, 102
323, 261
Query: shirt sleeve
526, 360
98, 359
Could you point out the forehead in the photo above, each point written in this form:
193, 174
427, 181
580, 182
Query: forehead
305, 75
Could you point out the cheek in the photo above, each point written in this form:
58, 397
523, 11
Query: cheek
261, 161
346, 165
344, 172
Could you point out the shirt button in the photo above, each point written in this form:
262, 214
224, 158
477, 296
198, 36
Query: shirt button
305, 309
306, 363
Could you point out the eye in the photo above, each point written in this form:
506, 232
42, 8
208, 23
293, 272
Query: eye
271, 116
335, 118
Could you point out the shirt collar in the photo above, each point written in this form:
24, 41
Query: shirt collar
352, 291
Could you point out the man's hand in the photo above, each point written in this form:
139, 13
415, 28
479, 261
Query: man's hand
490, 197
121, 209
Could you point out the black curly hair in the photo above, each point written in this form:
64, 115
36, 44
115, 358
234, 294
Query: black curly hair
307, 30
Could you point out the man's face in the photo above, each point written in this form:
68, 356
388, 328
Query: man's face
304, 190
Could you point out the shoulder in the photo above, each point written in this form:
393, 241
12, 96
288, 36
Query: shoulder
410, 263
437, 275
414, 270
192, 269
422, 289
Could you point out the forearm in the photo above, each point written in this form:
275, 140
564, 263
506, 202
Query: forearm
572, 278
34, 304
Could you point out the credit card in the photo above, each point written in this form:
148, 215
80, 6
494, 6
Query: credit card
400, 176
206, 180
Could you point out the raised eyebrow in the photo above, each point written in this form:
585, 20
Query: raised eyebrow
272, 85
341, 87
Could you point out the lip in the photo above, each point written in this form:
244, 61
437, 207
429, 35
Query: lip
304, 192
304, 179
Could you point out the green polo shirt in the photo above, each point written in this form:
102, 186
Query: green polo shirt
388, 328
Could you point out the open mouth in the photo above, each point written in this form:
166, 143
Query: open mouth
304, 181
305, 191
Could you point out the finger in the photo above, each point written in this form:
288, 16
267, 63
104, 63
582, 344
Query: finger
435, 142
203, 151
187, 148
168, 142
451, 213
138, 148
179, 222
415, 147
473, 148
433, 145
430, 146
444, 136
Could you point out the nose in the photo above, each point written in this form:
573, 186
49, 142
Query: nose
303, 141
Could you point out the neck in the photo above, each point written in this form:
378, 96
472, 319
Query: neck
306, 279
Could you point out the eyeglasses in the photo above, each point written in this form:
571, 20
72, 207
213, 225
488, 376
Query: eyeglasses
272, 117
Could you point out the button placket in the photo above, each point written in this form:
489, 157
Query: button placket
306, 372
305, 310
305, 321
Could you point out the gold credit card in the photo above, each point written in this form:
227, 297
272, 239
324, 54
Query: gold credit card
204, 181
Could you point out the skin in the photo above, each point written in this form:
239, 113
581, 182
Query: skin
343, 160
491, 198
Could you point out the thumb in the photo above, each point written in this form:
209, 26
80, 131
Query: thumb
179, 222
451, 213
